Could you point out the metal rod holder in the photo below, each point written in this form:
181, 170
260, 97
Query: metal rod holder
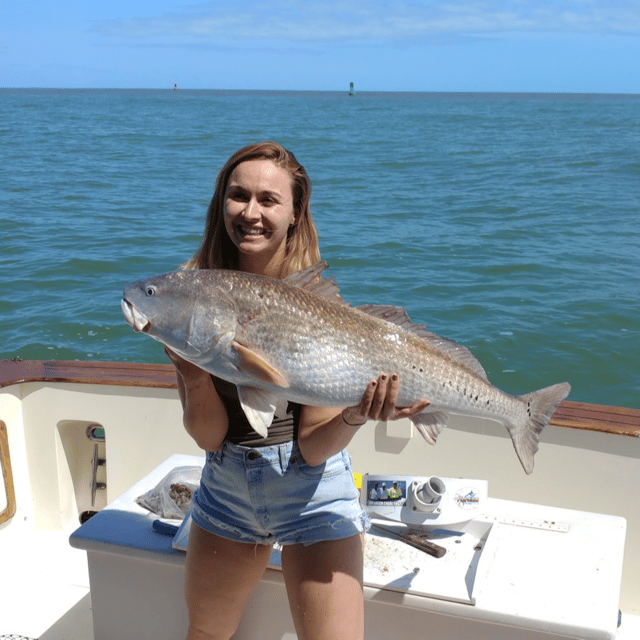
96, 462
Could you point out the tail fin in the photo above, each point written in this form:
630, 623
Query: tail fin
541, 405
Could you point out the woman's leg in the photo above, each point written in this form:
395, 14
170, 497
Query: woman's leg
324, 585
220, 575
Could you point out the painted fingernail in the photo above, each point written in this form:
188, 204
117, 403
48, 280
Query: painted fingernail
394, 377
383, 377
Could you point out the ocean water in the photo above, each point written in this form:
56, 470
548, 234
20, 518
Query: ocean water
508, 223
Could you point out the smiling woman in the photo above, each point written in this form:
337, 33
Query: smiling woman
219, 248
259, 215
293, 484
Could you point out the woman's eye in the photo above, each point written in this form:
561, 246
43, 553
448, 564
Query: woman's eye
238, 196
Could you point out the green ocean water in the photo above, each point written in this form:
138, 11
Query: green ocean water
508, 223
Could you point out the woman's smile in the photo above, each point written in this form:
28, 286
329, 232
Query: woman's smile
250, 231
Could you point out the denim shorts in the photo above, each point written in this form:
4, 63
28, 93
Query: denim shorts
265, 495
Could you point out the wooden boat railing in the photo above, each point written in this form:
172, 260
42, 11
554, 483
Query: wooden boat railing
574, 415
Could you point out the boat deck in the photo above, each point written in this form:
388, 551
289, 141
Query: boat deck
52, 579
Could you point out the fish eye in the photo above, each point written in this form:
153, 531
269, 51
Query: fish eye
150, 290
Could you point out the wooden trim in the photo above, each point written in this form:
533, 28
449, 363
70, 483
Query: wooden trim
598, 417
5, 463
128, 374
574, 415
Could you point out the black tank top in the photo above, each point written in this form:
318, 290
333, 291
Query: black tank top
242, 433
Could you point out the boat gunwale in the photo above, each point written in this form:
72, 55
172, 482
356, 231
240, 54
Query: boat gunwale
608, 419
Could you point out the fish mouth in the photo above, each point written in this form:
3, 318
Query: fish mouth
137, 320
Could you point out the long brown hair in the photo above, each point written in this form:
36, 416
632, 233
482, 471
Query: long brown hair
217, 251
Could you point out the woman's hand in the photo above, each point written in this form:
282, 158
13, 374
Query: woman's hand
323, 432
379, 403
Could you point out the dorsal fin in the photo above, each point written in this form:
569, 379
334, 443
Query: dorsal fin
400, 317
456, 351
311, 279
395, 315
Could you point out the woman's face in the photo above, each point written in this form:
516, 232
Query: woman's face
258, 211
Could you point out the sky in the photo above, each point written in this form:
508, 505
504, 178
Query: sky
583, 46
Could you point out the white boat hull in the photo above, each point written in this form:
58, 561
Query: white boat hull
586, 471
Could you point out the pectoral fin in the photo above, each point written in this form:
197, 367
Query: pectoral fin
259, 407
254, 364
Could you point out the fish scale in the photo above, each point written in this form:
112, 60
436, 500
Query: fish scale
297, 340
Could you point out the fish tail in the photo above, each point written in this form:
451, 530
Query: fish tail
540, 406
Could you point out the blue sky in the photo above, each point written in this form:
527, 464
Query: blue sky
404, 45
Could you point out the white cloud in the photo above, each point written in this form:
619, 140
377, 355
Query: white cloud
352, 20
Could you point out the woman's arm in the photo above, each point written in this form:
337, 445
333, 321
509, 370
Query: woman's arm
323, 432
204, 415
